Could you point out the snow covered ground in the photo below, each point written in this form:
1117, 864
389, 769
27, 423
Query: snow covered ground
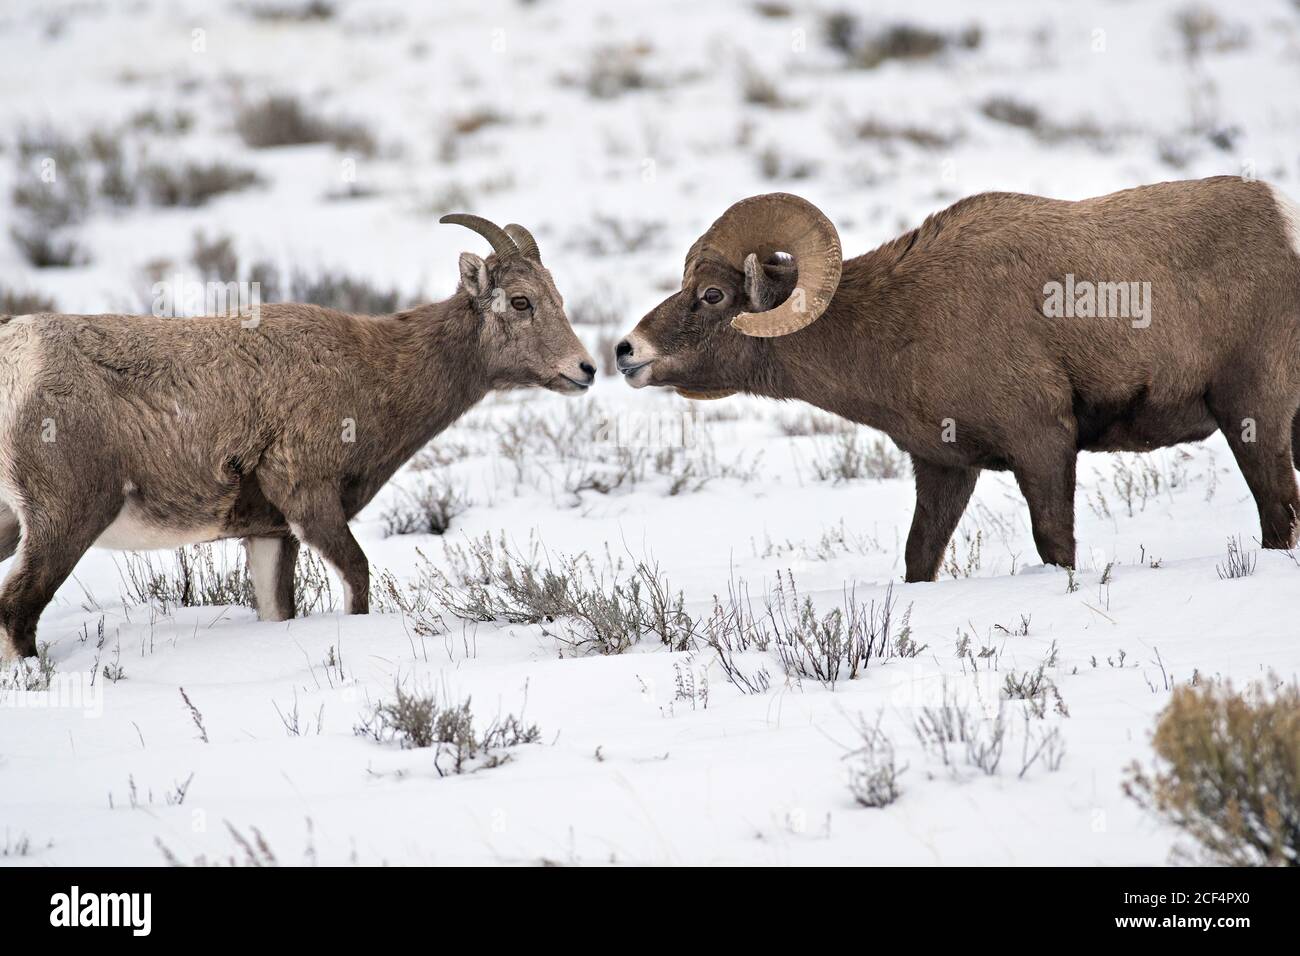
617, 160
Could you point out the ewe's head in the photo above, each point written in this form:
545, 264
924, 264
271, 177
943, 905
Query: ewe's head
525, 334
706, 340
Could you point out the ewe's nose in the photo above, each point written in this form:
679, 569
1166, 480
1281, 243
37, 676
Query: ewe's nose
623, 349
589, 370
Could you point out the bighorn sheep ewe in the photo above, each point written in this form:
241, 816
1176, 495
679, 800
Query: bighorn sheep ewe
141, 432
942, 338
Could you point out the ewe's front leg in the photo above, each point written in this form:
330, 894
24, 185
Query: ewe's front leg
941, 497
317, 519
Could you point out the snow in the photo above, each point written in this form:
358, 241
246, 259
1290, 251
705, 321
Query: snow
625, 772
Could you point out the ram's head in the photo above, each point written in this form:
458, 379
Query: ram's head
768, 267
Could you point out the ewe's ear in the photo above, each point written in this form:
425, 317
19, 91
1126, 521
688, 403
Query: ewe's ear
473, 274
758, 287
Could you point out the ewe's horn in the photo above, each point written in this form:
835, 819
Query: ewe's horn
502, 244
780, 222
524, 240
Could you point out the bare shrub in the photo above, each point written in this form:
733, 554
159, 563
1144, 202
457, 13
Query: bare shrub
45, 248
733, 630
868, 49
1012, 112
881, 132
471, 121
775, 163
591, 455
872, 769
215, 259
813, 422
13, 302
204, 575
286, 12
418, 719
152, 120
23, 675
1240, 564
1228, 772
1202, 31
757, 88
194, 183
55, 185
594, 612
838, 644
608, 235
252, 850
834, 542
197, 575
967, 565
282, 120
615, 69
428, 509
851, 457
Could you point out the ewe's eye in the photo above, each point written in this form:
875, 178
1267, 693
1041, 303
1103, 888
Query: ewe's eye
712, 295
519, 303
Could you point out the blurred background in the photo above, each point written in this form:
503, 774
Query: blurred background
312, 144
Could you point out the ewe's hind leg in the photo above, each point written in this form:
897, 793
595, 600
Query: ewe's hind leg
10, 532
51, 547
941, 497
1261, 440
315, 515
271, 563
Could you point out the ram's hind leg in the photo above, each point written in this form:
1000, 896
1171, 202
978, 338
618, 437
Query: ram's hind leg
53, 541
271, 563
1047, 480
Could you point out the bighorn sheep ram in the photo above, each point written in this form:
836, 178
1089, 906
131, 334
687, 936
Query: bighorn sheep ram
942, 338
141, 432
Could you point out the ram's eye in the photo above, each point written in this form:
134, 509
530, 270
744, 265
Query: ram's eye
520, 303
712, 295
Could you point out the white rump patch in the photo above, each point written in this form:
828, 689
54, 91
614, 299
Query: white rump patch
1290, 215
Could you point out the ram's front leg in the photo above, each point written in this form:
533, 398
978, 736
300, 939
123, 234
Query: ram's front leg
941, 497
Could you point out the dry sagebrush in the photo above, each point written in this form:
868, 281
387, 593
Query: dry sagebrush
1228, 772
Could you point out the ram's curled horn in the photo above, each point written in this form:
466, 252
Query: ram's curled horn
779, 222
501, 242
524, 240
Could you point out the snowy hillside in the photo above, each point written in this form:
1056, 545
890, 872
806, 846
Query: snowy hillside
617, 133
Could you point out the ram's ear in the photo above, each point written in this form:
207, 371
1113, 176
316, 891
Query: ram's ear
760, 290
474, 275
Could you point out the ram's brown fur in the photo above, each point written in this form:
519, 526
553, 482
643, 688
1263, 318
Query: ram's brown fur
939, 339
